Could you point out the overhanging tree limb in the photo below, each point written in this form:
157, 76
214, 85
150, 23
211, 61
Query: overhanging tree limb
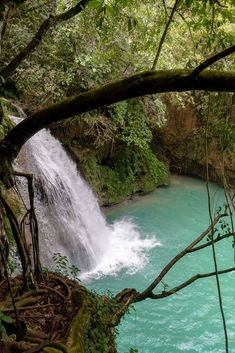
209, 243
148, 82
51, 21
148, 292
188, 282
205, 64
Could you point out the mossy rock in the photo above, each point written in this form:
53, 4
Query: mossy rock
129, 171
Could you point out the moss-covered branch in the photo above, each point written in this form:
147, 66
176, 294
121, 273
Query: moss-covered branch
148, 82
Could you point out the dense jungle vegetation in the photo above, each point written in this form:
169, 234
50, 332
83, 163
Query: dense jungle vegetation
103, 74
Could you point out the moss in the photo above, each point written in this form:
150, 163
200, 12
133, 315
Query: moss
75, 340
8, 230
129, 171
150, 82
5, 122
92, 328
101, 329
13, 200
113, 151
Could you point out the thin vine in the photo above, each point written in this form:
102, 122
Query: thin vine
213, 232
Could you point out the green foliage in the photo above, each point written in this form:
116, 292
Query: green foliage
220, 129
98, 333
225, 134
62, 266
4, 318
5, 124
74, 270
11, 263
107, 39
130, 119
2, 132
127, 171
96, 4
61, 263
113, 148
223, 228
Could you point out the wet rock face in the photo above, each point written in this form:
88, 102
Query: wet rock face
115, 171
181, 143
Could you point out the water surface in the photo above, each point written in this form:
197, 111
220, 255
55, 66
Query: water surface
190, 320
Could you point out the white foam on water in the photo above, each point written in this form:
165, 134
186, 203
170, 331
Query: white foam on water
126, 250
70, 220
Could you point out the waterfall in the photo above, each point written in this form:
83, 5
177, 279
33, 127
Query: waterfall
69, 217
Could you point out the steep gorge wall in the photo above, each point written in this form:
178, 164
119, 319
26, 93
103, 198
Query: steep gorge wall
117, 171
181, 144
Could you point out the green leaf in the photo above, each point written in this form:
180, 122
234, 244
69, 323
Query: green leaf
2, 328
6, 318
124, 3
228, 14
110, 10
96, 4
188, 3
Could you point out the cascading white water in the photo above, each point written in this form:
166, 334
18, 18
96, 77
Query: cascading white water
70, 220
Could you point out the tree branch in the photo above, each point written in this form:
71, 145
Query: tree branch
148, 291
190, 32
148, 82
6, 17
33, 223
205, 64
209, 243
20, 242
48, 23
187, 283
164, 34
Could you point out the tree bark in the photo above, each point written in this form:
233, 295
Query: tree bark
148, 82
20, 243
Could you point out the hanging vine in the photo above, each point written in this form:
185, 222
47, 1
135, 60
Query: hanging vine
213, 233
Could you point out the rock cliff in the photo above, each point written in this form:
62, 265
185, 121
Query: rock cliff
181, 143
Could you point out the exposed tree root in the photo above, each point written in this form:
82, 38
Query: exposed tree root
60, 316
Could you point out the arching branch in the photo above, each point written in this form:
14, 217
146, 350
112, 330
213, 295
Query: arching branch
148, 82
148, 292
188, 282
209, 243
